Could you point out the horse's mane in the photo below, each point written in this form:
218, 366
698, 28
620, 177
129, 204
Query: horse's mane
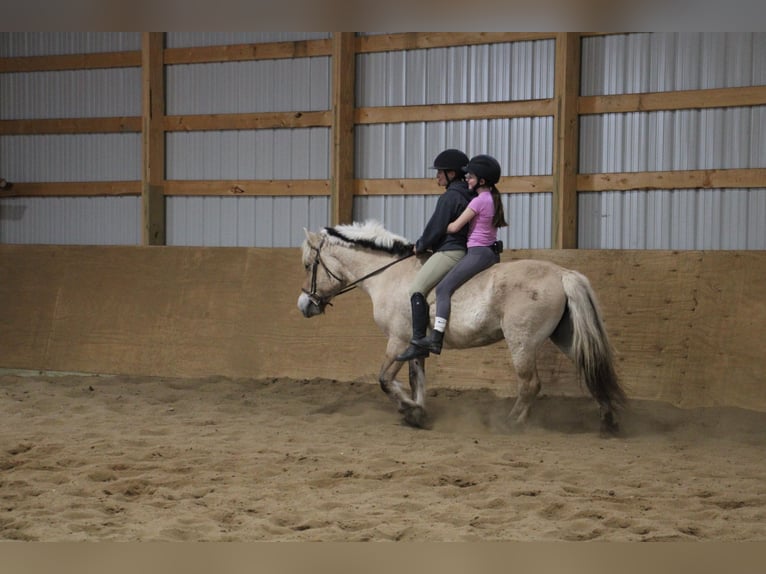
369, 234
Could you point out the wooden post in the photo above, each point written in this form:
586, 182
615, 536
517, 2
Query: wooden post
153, 138
343, 84
567, 144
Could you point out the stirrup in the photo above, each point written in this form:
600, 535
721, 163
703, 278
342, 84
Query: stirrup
412, 352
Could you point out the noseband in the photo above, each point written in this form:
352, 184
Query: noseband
319, 300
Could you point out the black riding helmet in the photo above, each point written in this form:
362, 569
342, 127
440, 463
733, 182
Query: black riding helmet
451, 159
484, 167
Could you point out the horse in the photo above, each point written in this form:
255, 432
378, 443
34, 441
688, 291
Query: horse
523, 301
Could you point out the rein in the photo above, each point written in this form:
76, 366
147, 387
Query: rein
317, 300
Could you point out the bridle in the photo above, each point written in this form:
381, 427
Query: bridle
321, 301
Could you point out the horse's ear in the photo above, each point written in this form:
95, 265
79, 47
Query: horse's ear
310, 237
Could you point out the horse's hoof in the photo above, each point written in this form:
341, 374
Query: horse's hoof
609, 426
417, 417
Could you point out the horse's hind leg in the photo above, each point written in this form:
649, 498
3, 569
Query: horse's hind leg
525, 365
413, 409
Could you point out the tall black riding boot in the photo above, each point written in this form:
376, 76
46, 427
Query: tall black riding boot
419, 326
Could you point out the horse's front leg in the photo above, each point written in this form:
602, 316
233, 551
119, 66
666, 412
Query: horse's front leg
418, 380
411, 408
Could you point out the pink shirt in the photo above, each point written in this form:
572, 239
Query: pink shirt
481, 232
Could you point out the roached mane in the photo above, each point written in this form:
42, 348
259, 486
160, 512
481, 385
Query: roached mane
372, 235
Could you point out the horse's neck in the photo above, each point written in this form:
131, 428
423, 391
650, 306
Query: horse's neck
358, 263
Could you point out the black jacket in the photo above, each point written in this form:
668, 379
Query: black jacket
451, 204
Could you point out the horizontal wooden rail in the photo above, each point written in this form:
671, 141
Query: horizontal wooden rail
254, 187
428, 40
509, 184
691, 179
73, 189
454, 112
247, 52
596, 182
71, 126
266, 120
130, 59
681, 100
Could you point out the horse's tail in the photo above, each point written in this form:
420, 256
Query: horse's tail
590, 347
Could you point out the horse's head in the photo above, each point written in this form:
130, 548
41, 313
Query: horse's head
320, 284
328, 270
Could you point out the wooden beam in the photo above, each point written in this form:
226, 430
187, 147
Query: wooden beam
343, 82
565, 154
153, 138
508, 184
73, 189
681, 100
253, 187
248, 52
427, 40
687, 179
71, 62
71, 126
257, 121
452, 112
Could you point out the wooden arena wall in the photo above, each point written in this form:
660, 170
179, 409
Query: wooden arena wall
688, 327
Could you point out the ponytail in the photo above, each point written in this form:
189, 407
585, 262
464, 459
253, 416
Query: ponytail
498, 219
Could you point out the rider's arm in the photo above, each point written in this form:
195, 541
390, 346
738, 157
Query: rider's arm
467, 215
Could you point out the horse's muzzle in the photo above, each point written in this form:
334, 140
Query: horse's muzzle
308, 306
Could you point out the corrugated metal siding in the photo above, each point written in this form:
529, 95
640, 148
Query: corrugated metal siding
71, 157
462, 74
302, 84
244, 221
485, 73
673, 140
75, 157
673, 219
24, 44
71, 220
301, 153
70, 94
717, 138
660, 62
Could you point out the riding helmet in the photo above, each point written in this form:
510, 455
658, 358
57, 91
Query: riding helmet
450, 159
484, 167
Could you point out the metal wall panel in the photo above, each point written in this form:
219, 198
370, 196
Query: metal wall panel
660, 62
70, 94
484, 73
673, 219
463, 74
523, 146
71, 157
76, 157
246, 154
301, 153
25, 44
716, 138
71, 220
284, 85
302, 84
244, 221
727, 138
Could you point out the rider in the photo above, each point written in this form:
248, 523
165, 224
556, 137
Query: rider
484, 215
448, 248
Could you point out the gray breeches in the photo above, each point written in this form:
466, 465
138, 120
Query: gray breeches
476, 260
